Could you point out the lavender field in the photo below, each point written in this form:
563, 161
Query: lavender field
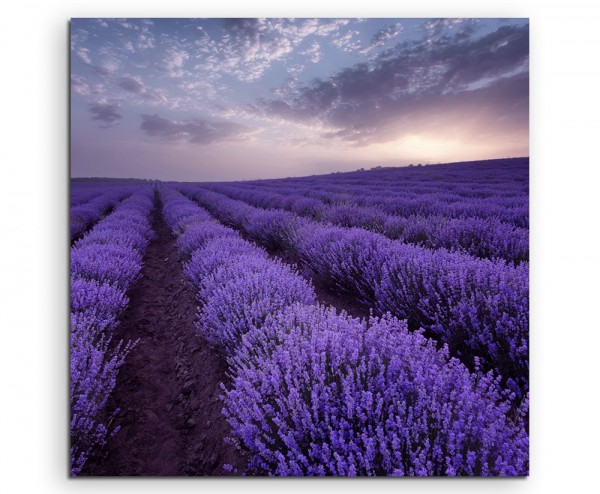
366, 323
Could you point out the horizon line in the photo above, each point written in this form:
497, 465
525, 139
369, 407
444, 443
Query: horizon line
359, 170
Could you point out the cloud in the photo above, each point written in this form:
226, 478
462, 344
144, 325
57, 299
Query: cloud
313, 52
372, 102
83, 54
440, 27
250, 47
173, 62
383, 36
79, 36
295, 69
129, 25
300, 30
346, 42
199, 89
132, 85
499, 108
135, 86
79, 85
327, 28
145, 40
197, 131
106, 113
158, 96
106, 68
82, 87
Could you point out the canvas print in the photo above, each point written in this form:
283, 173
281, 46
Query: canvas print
299, 247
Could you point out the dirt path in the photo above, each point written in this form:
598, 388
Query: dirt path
168, 389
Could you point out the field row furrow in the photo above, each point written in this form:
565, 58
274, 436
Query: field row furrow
105, 263
479, 308
483, 237
314, 392
493, 190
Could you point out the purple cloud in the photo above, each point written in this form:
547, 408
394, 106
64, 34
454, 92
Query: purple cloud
132, 85
252, 46
173, 62
83, 54
362, 103
313, 52
383, 36
106, 113
79, 85
106, 68
197, 131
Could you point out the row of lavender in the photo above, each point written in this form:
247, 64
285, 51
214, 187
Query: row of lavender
478, 307
503, 174
80, 195
105, 263
497, 188
467, 199
485, 237
313, 392
343, 191
84, 214
507, 172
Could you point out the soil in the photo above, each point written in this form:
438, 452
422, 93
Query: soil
168, 389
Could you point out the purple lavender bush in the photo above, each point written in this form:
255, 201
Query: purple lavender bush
351, 216
82, 193
102, 301
309, 207
316, 393
128, 237
197, 233
344, 260
477, 306
209, 274
105, 263
236, 285
487, 218
95, 363
83, 216
210, 257
272, 228
234, 303
179, 211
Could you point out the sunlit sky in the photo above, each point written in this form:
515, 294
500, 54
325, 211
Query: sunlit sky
231, 99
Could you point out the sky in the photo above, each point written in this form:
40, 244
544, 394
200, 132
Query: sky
238, 99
